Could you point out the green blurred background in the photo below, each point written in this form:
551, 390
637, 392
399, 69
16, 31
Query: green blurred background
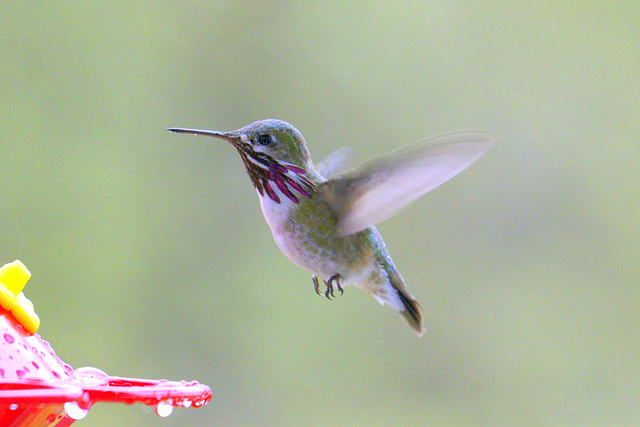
150, 256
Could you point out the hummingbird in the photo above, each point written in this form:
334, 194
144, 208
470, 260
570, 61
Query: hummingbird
323, 217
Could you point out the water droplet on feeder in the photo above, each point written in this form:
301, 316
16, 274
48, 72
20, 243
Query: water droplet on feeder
74, 411
163, 409
186, 403
13, 406
93, 376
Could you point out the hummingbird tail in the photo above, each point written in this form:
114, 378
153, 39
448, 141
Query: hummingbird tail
397, 296
412, 312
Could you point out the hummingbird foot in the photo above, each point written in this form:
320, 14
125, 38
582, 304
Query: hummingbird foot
335, 278
329, 293
316, 285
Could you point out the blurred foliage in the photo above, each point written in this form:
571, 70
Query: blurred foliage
150, 257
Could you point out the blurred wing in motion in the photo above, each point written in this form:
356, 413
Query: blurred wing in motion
380, 187
336, 163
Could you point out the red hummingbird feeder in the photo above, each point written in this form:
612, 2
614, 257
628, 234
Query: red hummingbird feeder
39, 389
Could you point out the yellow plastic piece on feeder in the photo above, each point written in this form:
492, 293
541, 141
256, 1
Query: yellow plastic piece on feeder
13, 277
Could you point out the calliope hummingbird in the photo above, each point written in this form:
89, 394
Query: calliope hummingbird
324, 220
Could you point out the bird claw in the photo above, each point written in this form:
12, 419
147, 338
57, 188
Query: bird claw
316, 285
329, 293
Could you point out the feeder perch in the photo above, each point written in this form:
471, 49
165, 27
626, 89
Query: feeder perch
39, 389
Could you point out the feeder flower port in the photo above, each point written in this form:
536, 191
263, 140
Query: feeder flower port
39, 389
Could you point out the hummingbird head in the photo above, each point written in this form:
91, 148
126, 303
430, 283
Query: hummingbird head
275, 155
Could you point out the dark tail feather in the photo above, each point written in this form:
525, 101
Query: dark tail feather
412, 312
398, 297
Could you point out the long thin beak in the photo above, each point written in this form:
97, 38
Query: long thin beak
213, 133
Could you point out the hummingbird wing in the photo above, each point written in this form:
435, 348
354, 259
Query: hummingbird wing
336, 163
380, 187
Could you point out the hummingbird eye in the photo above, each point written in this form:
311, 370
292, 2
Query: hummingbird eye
264, 139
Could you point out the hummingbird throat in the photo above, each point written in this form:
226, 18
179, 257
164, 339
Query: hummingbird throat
266, 172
